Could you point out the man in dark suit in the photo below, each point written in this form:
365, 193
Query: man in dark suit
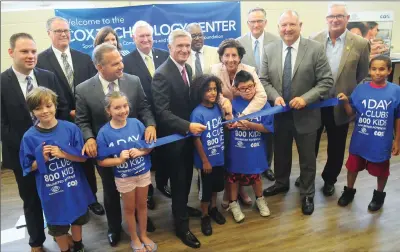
170, 89
91, 116
16, 83
143, 62
71, 67
295, 71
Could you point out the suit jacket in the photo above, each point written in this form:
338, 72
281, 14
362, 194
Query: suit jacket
135, 65
211, 57
171, 99
245, 41
81, 63
15, 116
90, 104
353, 68
311, 79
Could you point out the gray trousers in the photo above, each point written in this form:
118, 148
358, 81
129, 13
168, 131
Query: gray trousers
285, 132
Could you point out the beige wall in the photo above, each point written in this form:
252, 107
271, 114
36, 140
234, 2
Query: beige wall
312, 14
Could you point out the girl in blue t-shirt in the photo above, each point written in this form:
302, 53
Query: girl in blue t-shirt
246, 158
377, 108
121, 147
209, 152
51, 151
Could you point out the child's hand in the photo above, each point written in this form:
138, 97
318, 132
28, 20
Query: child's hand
124, 155
395, 149
46, 152
57, 152
207, 168
343, 97
243, 125
134, 153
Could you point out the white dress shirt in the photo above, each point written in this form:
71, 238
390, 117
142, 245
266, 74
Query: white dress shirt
143, 55
260, 45
201, 56
180, 68
60, 60
295, 50
104, 84
23, 83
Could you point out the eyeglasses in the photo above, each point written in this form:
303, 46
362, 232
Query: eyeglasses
59, 32
248, 88
338, 17
253, 22
197, 36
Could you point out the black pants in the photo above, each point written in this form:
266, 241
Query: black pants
337, 135
159, 163
32, 207
179, 156
112, 203
90, 174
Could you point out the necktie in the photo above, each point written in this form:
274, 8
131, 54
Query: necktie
150, 65
257, 54
287, 76
197, 65
111, 87
184, 76
69, 74
29, 88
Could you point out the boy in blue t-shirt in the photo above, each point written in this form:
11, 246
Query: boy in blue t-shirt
246, 159
51, 150
377, 108
209, 152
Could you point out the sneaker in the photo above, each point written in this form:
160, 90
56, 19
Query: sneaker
347, 196
262, 207
216, 216
377, 201
236, 211
206, 225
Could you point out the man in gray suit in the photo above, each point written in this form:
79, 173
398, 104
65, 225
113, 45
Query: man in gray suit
348, 57
254, 42
91, 116
295, 71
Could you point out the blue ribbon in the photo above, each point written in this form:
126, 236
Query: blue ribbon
41, 163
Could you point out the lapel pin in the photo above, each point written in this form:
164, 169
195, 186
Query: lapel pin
156, 56
348, 48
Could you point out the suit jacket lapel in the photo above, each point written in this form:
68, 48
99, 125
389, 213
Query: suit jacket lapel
98, 90
57, 68
142, 65
17, 88
123, 84
75, 66
300, 55
346, 51
279, 59
157, 59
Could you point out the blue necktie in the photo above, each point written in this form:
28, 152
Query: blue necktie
111, 87
287, 76
257, 55
29, 88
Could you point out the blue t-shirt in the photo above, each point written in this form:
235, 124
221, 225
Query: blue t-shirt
247, 148
212, 138
124, 139
62, 185
376, 111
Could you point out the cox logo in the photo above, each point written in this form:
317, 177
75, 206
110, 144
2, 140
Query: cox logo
55, 189
214, 151
255, 145
385, 16
72, 183
379, 133
240, 144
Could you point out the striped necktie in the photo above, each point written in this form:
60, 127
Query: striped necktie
69, 73
29, 88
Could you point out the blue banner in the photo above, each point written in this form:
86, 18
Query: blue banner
219, 21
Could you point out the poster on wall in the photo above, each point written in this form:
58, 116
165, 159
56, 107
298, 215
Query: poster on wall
376, 26
219, 21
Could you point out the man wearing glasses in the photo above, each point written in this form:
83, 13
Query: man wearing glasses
254, 42
71, 68
348, 56
202, 57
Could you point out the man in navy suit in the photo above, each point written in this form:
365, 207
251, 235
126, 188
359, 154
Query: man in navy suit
16, 83
71, 67
143, 62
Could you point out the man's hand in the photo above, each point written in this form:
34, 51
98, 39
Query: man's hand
90, 148
207, 168
297, 103
343, 97
150, 134
280, 102
72, 114
196, 128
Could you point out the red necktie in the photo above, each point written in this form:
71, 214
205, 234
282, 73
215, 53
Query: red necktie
184, 76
